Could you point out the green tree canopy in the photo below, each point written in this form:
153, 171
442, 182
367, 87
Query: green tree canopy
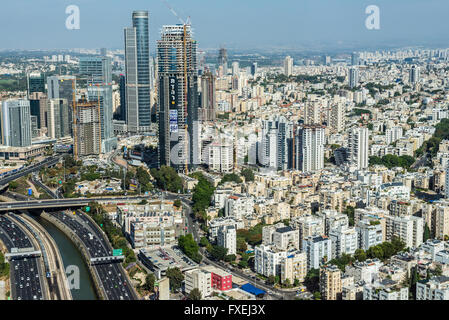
176, 277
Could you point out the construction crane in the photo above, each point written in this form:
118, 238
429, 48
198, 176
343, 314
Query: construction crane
184, 24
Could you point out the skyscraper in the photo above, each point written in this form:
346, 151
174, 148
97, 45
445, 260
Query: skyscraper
38, 108
16, 123
414, 74
61, 87
336, 117
98, 70
35, 83
358, 147
178, 98
122, 85
310, 142
88, 137
254, 69
223, 59
137, 66
235, 68
208, 101
355, 59
288, 66
275, 148
102, 96
58, 123
353, 77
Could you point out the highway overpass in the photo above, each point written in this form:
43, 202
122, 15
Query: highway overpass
10, 176
62, 203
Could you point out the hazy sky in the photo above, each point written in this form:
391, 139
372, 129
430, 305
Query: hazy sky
40, 24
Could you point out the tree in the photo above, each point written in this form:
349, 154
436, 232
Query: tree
150, 279
231, 177
350, 212
317, 295
230, 258
189, 247
360, 255
219, 252
243, 264
176, 277
177, 203
271, 280
195, 294
166, 178
312, 279
426, 235
375, 252
204, 242
241, 245
202, 193
248, 175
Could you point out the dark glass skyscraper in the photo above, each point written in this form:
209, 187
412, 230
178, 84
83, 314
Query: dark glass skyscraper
35, 83
122, 86
137, 66
178, 98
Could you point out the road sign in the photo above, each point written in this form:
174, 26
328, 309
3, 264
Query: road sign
60, 181
87, 209
30, 191
117, 252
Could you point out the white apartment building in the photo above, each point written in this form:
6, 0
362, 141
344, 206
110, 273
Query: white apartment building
308, 226
294, 266
288, 66
267, 260
359, 147
216, 223
318, 250
380, 292
369, 234
238, 206
200, 279
343, 240
366, 271
436, 288
220, 155
310, 142
281, 237
393, 134
227, 238
409, 229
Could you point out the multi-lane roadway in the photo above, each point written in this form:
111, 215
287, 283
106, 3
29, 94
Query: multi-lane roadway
110, 274
26, 272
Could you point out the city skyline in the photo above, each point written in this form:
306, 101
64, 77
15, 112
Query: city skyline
319, 24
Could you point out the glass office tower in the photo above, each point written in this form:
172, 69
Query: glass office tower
137, 66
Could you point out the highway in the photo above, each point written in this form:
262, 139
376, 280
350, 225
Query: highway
15, 175
62, 203
111, 275
26, 273
35, 179
54, 266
